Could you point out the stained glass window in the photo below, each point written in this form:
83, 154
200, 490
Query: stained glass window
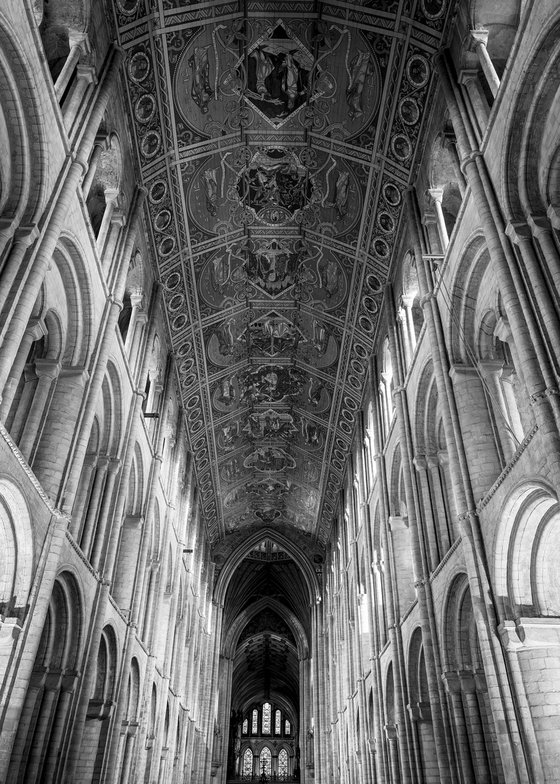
255, 722
287, 727
265, 761
248, 762
283, 763
266, 711
277, 723
245, 727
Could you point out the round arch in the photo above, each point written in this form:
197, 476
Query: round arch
16, 550
23, 170
526, 194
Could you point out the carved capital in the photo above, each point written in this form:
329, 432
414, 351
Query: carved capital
47, 368
479, 38
467, 76
398, 523
436, 195
539, 225
391, 732
86, 73
519, 232
420, 711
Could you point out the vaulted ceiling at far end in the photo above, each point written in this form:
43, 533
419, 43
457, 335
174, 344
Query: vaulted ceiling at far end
275, 140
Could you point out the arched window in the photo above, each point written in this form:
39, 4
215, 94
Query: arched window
265, 761
255, 722
245, 727
248, 762
287, 727
283, 763
277, 722
266, 711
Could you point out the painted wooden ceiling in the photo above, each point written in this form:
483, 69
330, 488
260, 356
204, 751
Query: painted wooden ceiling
275, 140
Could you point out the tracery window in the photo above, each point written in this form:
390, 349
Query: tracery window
255, 722
282, 763
265, 761
266, 712
245, 729
287, 727
277, 722
248, 762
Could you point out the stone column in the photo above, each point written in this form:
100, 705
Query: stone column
408, 302
405, 333
391, 734
468, 77
111, 196
492, 370
521, 235
47, 372
90, 524
85, 75
43, 726
385, 389
453, 688
50, 459
78, 46
56, 740
128, 754
36, 329
451, 146
429, 220
99, 146
441, 521
437, 198
480, 44
90, 461
474, 725
23, 238
136, 297
430, 524
110, 251
105, 511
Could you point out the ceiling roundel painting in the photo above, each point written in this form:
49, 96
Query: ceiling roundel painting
275, 140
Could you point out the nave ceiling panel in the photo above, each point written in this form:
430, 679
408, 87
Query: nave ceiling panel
275, 141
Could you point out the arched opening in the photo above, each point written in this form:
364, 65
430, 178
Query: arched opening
101, 706
267, 640
16, 553
432, 466
419, 709
39, 749
466, 688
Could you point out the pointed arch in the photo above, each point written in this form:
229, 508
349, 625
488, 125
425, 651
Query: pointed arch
310, 578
